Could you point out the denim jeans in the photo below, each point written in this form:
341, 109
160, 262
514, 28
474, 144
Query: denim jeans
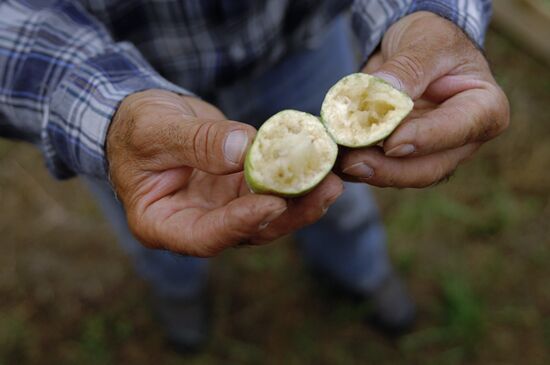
347, 244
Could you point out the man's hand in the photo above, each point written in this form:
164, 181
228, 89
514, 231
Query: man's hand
176, 165
458, 104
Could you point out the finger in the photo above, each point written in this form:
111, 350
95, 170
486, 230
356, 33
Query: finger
450, 85
374, 63
413, 59
373, 167
305, 210
475, 115
412, 70
203, 109
216, 230
213, 146
168, 131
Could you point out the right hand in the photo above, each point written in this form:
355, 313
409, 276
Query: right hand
176, 164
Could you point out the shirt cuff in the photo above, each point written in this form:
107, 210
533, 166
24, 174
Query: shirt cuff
372, 19
472, 16
83, 104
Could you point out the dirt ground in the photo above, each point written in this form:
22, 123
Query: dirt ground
475, 251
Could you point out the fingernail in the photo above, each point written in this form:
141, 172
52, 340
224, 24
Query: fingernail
401, 151
360, 169
270, 218
331, 201
235, 145
390, 79
326, 206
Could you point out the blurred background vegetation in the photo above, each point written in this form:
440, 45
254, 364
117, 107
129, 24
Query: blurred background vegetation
475, 252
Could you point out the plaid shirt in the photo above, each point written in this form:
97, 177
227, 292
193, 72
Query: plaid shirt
65, 65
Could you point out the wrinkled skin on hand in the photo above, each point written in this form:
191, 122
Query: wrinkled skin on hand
176, 164
458, 105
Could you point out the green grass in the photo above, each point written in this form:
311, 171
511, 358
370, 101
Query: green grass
94, 344
16, 341
462, 321
546, 331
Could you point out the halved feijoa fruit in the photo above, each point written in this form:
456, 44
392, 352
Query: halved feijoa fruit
361, 110
291, 154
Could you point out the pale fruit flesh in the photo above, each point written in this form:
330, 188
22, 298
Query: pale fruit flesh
290, 155
361, 110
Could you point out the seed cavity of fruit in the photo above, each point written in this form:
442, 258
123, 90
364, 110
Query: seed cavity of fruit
361, 109
291, 151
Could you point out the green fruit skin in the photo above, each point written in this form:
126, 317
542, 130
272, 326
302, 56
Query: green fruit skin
258, 188
341, 143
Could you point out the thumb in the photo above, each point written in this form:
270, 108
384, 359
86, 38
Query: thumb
162, 131
414, 55
213, 146
406, 72
412, 72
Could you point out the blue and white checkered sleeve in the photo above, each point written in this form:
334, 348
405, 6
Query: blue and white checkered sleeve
62, 78
372, 18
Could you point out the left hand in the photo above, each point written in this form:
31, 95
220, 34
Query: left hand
176, 163
458, 105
